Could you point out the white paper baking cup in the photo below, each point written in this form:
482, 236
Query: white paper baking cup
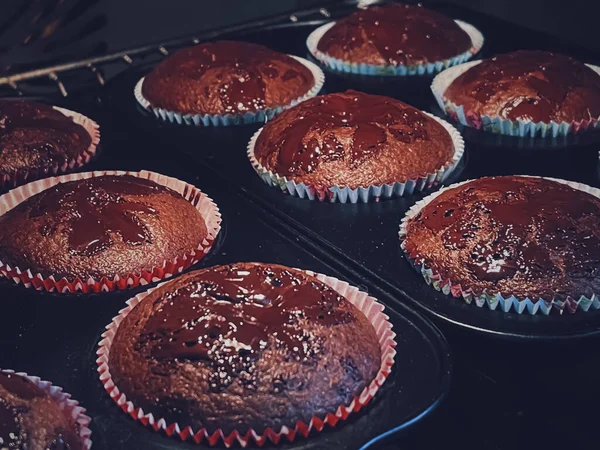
389, 70
495, 300
496, 124
204, 204
217, 120
345, 194
70, 407
22, 176
369, 306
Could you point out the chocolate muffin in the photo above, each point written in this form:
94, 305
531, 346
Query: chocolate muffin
353, 139
528, 237
100, 227
529, 86
395, 34
226, 77
31, 420
35, 136
247, 345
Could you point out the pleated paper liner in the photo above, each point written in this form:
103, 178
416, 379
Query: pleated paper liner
363, 194
217, 120
71, 409
495, 300
499, 125
204, 204
429, 68
369, 306
21, 176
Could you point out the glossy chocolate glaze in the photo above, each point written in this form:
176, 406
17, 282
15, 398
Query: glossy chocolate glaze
395, 34
97, 210
232, 75
100, 227
512, 233
369, 118
530, 86
247, 345
229, 315
35, 135
352, 128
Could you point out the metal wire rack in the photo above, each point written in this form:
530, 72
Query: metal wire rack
63, 79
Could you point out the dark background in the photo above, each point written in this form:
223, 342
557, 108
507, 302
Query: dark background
34, 33
506, 395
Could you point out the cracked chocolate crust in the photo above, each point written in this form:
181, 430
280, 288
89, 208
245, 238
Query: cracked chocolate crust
395, 34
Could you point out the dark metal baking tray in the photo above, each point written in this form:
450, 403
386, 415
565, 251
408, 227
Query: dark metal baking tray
506, 394
364, 236
55, 336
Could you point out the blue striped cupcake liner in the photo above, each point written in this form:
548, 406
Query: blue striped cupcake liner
429, 68
345, 194
496, 124
496, 301
216, 120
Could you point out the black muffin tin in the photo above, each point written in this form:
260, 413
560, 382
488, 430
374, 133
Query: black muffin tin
518, 380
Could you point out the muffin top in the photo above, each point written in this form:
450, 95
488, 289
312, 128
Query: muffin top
33, 135
102, 226
226, 77
529, 86
353, 139
395, 34
241, 346
31, 420
521, 236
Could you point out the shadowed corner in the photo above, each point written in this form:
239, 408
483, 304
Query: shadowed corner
35, 33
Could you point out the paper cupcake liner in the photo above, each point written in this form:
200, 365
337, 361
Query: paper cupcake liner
495, 300
345, 194
429, 68
497, 124
204, 204
69, 406
217, 120
369, 306
21, 176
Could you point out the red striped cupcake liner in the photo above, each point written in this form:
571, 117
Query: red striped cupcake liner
204, 204
369, 306
70, 407
22, 176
